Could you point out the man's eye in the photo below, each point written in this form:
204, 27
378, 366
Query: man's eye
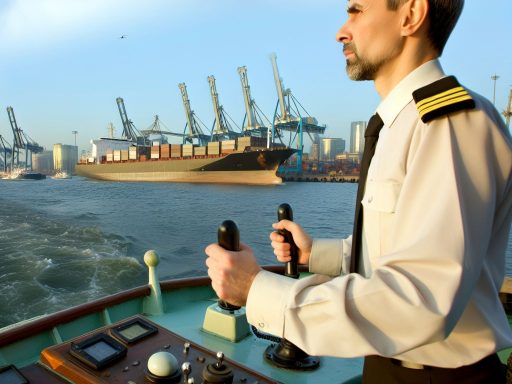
353, 10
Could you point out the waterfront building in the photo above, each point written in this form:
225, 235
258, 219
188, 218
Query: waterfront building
357, 129
65, 157
331, 147
43, 162
315, 151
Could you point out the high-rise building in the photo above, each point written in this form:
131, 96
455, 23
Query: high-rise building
65, 157
357, 129
330, 147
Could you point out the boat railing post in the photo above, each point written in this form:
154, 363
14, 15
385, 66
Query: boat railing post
153, 303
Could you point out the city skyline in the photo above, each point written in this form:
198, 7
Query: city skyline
65, 62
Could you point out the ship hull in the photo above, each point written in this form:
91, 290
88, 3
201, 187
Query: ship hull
251, 167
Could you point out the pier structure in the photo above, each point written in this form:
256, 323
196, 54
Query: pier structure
319, 178
290, 116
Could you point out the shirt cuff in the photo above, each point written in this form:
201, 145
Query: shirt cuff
266, 302
326, 257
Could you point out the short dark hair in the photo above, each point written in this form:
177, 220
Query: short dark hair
442, 17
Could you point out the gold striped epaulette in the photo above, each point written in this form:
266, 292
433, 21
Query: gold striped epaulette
441, 98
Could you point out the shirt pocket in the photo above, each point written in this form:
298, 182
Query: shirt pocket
379, 201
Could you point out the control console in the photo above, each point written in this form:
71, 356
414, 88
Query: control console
137, 350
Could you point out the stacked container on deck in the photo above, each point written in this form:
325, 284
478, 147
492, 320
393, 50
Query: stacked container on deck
155, 152
175, 150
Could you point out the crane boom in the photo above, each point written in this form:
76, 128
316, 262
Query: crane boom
189, 114
18, 136
219, 129
247, 97
128, 132
279, 87
194, 129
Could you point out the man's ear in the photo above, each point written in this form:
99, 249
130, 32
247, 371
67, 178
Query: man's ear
414, 16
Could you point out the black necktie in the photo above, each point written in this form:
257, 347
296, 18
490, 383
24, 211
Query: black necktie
371, 135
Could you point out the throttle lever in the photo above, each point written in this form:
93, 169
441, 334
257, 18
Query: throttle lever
228, 237
284, 212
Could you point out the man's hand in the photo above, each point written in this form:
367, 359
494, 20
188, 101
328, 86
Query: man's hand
301, 238
232, 273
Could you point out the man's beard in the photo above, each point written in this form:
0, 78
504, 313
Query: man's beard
361, 68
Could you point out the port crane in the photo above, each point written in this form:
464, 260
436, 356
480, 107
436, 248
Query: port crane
129, 131
252, 124
291, 116
508, 111
193, 123
21, 141
221, 127
6, 151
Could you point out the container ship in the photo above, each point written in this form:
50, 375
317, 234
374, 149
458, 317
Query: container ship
245, 160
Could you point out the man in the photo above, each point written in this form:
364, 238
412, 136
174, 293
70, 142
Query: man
437, 202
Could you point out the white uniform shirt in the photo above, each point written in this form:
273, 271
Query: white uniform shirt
437, 214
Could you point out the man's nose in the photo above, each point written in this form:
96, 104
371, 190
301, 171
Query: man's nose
343, 34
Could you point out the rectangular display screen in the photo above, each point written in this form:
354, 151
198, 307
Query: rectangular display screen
133, 331
100, 351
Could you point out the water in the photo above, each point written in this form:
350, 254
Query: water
65, 242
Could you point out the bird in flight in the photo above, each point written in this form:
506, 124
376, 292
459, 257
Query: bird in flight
123, 36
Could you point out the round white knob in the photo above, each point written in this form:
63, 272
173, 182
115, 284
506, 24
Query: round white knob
162, 364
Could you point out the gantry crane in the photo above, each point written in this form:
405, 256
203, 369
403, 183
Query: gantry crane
21, 141
508, 111
252, 124
130, 133
6, 150
193, 123
221, 128
293, 117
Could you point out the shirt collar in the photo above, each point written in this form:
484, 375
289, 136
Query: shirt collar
401, 94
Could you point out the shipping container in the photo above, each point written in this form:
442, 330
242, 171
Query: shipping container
214, 148
155, 152
175, 150
165, 151
124, 154
200, 151
142, 158
117, 155
132, 153
188, 150
110, 157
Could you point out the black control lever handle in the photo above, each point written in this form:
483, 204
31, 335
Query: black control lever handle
284, 212
228, 237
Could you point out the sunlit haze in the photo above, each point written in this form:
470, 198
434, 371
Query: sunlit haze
64, 64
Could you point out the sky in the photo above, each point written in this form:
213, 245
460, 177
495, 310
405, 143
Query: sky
63, 63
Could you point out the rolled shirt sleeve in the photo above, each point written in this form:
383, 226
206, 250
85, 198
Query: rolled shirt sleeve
330, 256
